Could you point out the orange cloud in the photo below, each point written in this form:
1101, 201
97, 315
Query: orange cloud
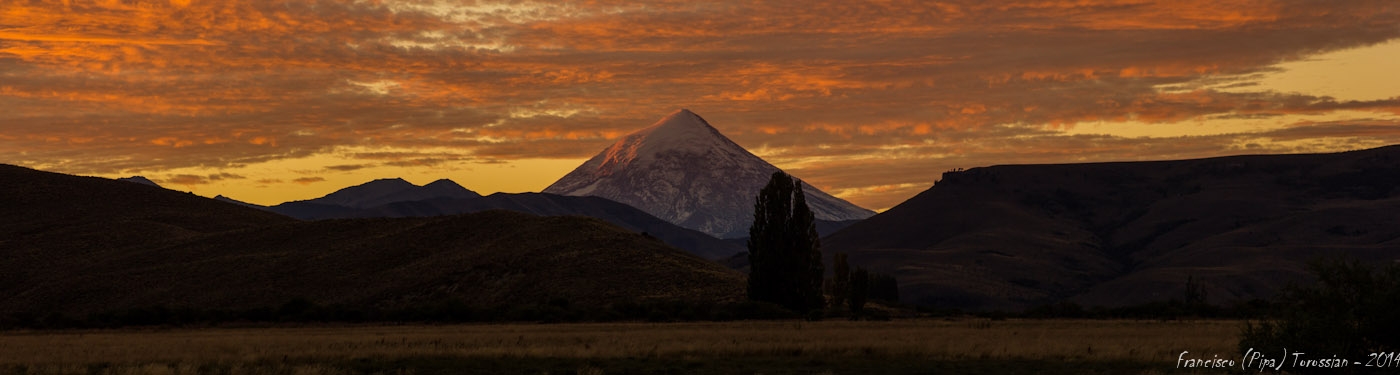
308, 180
85, 39
171, 141
189, 180
103, 87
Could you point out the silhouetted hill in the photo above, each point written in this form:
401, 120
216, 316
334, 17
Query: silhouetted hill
77, 245
308, 210
1126, 233
488, 258
827, 227
50, 222
740, 261
237, 202
619, 214
52, 213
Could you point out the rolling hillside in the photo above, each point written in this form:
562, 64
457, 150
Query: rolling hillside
78, 245
541, 204
1007, 237
51, 222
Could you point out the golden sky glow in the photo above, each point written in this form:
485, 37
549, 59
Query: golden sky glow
269, 101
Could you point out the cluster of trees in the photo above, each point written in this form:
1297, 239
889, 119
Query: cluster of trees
1349, 312
852, 289
786, 261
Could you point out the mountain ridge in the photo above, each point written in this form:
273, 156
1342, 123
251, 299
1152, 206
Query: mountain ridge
389, 190
1122, 233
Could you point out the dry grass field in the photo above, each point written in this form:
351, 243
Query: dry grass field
769, 347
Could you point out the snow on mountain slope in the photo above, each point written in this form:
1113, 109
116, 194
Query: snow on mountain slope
683, 170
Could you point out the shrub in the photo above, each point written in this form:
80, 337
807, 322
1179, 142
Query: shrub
1348, 312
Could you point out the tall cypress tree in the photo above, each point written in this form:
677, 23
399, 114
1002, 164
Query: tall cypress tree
785, 263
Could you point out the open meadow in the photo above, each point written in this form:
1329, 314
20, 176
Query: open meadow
767, 347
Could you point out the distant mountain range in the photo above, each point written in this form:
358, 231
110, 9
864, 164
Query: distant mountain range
381, 192
78, 245
670, 180
399, 198
684, 171
1112, 234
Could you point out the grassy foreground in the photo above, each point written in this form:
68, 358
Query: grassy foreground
767, 347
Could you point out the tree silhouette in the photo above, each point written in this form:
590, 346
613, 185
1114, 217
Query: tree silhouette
784, 256
883, 287
840, 280
1195, 294
860, 291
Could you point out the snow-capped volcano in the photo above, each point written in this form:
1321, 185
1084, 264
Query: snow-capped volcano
684, 171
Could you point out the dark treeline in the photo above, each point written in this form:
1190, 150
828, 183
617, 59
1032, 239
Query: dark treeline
1167, 310
302, 311
451, 311
850, 290
1348, 300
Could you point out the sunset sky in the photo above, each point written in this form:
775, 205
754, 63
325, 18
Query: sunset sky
269, 101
